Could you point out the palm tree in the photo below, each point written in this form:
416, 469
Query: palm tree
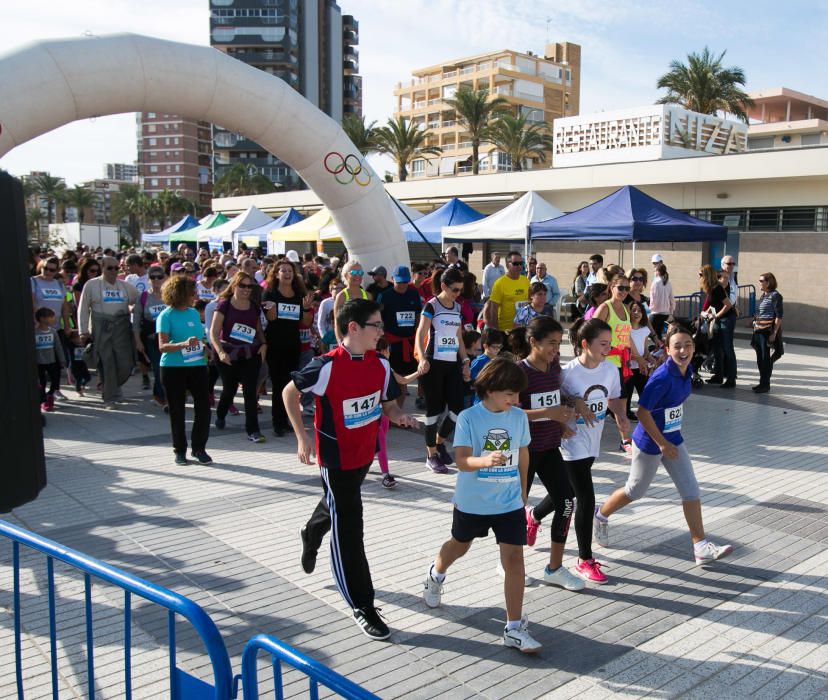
129, 203
363, 136
81, 198
52, 190
703, 85
475, 112
510, 134
403, 141
34, 219
239, 180
171, 205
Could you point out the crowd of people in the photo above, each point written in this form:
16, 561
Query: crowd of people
486, 359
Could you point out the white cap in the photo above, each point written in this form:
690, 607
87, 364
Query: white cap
657, 258
292, 255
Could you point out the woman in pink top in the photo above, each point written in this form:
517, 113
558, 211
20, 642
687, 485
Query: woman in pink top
662, 301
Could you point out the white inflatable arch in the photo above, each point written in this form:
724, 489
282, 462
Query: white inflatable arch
48, 84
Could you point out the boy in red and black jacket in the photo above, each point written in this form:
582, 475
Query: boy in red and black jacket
352, 386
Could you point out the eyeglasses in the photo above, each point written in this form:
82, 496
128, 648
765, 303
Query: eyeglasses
729, 264
637, 279
378, 325
455, 290
50, 269
246, 286
623, 288
156, 277
356, 273
109, 268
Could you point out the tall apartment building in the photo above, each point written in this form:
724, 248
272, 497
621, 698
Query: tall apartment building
306, 43
174, 153
124, 172
541, 87
785, 118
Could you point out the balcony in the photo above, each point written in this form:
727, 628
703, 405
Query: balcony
449, 74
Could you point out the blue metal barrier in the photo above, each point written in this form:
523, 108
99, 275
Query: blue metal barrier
746, 301
688, 306
316, 672
182, 684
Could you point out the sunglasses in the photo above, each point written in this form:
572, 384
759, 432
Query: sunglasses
637, 279
519, 263
455, 290
356, 273
730, 264
94, 270
156, 277
110, 268
50, 269
246, 286
623, 288
762, 280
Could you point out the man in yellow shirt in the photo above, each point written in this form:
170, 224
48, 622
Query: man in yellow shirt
509, 292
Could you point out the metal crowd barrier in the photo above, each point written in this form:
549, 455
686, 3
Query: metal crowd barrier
317, 673
183, 686
689, 305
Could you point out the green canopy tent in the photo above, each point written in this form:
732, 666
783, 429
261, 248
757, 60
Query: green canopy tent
190, 236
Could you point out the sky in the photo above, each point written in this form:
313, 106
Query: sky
625, 46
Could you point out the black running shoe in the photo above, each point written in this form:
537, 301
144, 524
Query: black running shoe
308, 552
445, 455
202, 458
181, 458
371, 623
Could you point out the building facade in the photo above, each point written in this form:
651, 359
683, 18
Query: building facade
174, 153
785, 118
123, 172
543, 88
306, 43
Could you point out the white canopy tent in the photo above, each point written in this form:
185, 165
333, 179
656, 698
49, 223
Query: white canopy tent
249, 219
330, 232
509, 224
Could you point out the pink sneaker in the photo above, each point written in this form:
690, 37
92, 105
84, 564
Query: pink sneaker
590, 570
233, 411
532, 527
626, 446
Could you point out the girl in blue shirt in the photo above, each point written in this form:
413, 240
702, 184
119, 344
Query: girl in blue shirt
658, 439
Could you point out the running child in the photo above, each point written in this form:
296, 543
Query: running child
547, 415
80, 371
388, 480
491, 447
353, 387
49, 354
658, 440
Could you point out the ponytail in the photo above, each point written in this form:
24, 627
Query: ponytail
586, 331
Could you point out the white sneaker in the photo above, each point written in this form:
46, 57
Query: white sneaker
432, 591
521, 639
527, 581
60, 396
600, 531
711, 552
563, 578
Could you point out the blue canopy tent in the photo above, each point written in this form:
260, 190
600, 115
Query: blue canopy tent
259, 234
627, 215
183, 224
452, 213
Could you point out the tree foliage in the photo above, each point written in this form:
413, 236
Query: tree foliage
510, 134
403, 141
475, 112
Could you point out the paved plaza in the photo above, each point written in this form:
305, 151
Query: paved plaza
753, 625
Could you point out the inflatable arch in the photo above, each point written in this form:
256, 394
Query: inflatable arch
48, 84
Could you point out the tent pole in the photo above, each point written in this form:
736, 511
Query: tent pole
633, 251
425, 240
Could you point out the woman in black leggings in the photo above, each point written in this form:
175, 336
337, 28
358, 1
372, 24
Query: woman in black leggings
443, 368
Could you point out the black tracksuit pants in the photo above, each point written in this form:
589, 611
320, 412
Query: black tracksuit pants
340, 512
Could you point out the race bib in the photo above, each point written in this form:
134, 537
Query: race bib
156, 310
290, 312
193, 353
77, 353
44, 341
548, 399
598, 407
304, 335
672, 418
243, 332
206, 295
520, 304
405, 319
112, 296
51, 294
362, 410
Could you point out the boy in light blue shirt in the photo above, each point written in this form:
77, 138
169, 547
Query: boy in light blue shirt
491, 449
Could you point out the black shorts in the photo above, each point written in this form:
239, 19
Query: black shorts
509, 528
398, 364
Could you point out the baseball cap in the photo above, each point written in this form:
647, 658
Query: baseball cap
176, 266
379, 270
293, 256
657, 258
401, 274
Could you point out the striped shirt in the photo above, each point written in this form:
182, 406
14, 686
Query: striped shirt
770, 306
543, 391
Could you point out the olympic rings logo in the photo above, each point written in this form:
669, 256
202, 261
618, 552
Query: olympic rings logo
347, 169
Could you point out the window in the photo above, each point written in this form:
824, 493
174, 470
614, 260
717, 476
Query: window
799, 219
153, 168
154, 182
178, 182
152, 142
810, 139
418, 168
151, 128
169, 168
178, 168
150, 115
175, 141
167, 141
755, 143
169, 181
